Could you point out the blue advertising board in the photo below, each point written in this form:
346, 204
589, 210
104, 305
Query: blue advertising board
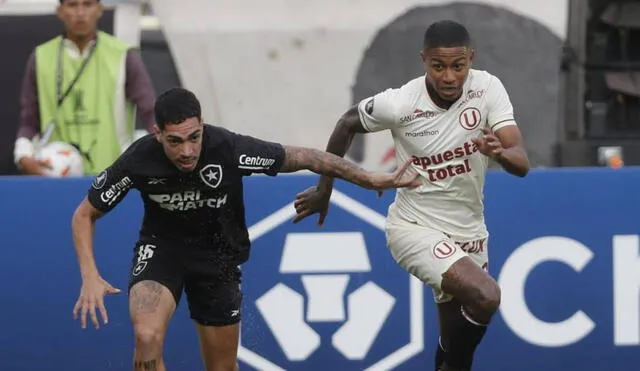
564, 247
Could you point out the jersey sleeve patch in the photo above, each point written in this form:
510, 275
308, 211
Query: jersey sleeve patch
109, 187
254, 155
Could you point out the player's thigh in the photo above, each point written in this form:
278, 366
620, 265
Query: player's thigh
477, 251
215, 302
155, 285
473, 287
151, 306
425, 253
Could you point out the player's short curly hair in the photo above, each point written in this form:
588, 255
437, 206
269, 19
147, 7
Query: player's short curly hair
176, 105
446, 33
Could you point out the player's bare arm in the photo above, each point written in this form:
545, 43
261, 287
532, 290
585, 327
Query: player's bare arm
316, 199
299, 158
94, 287
340, 140
514, 157
506, 147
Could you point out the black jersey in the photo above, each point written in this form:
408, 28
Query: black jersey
203, 208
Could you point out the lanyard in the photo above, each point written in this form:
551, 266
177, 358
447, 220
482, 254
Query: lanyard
62, 96
59, 78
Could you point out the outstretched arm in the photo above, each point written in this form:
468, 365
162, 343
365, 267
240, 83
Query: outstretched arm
82, 226
370, 115
106, 191
340, 140
328, 164
94, 288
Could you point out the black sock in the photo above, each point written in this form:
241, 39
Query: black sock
440, 354
463, 342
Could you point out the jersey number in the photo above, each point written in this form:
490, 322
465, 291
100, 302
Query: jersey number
145, 252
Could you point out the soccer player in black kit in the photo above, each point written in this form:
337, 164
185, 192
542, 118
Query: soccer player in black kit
193, 235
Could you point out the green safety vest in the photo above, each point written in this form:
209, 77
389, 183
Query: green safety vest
95, 115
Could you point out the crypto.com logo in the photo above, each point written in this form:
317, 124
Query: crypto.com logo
283, 308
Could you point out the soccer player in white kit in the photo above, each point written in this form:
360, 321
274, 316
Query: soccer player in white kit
450, 121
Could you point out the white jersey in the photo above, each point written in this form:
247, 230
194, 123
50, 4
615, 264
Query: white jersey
439, 142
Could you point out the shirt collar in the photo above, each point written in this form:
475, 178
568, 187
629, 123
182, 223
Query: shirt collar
73, 51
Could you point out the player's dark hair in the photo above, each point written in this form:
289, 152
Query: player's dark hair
446, 34
176, 105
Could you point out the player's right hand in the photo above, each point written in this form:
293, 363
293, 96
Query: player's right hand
403, 177
311, 201
91, 297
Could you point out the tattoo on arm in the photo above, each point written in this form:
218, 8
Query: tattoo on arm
146, 365
300, 158
145, 297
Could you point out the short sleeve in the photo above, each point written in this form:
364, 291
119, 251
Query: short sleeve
500, 110
254, 155
378, 112
110, 186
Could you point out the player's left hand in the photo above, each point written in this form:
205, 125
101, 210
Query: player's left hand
91, 301
401, 178
488, 144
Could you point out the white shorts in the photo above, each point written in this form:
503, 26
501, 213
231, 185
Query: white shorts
427, 253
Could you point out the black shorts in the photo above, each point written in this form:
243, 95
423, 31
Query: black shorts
212, 286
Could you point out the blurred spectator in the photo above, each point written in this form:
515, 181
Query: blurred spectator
83, 88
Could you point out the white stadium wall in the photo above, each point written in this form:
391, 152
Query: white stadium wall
285, 70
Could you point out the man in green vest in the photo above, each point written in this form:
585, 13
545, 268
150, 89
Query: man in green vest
82, 88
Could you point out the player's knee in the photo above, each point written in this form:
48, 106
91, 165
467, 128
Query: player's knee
491, 299
148, 337
487, 301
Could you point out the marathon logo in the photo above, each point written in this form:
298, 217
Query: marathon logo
451, 170
185, 201
113, 193
255, 162
424, 133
